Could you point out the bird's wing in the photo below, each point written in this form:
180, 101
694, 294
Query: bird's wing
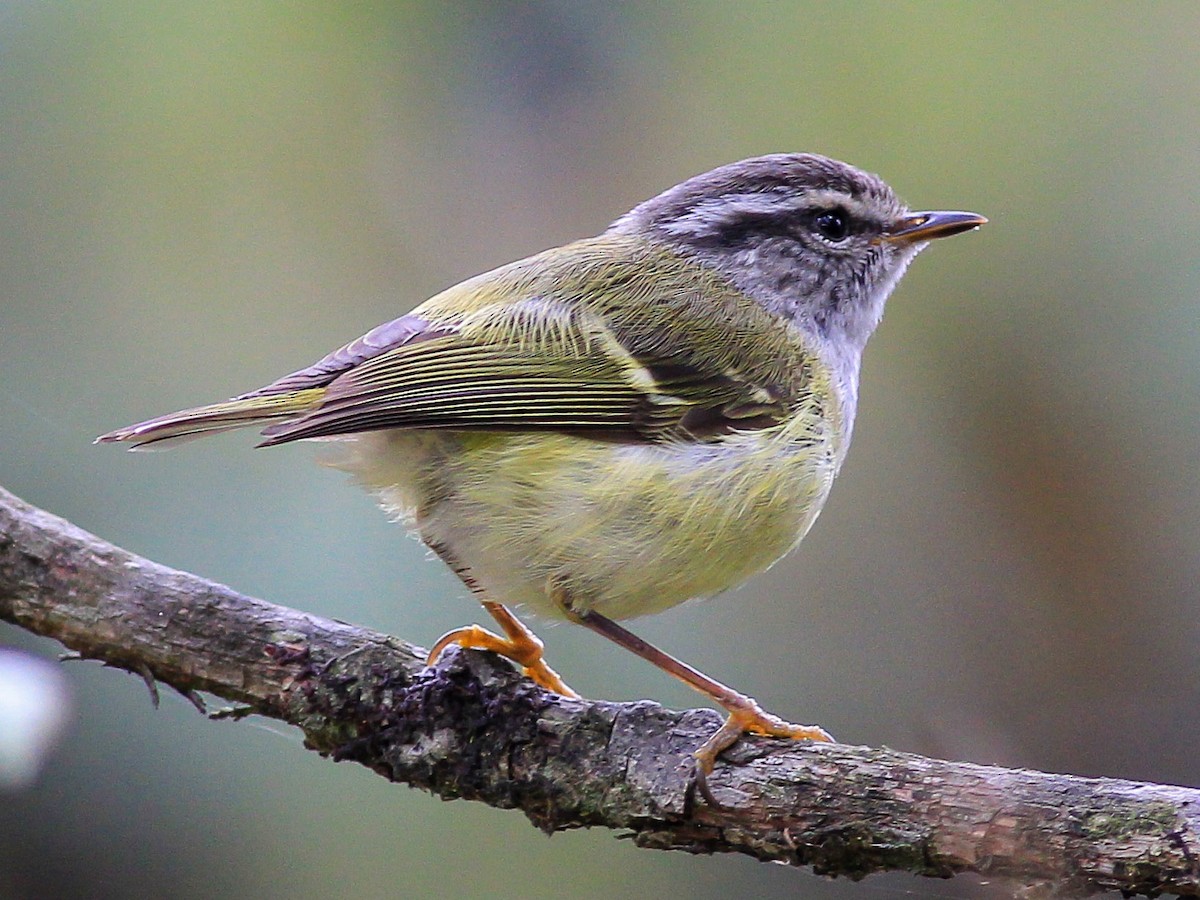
558, 361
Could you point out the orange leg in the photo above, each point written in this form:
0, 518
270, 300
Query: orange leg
520, 645
745, 715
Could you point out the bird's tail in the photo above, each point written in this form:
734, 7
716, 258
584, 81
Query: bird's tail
176, 427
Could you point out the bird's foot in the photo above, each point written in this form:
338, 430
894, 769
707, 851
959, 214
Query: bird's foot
748, 717
523, 648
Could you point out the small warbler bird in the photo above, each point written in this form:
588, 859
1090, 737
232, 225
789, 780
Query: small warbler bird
612, 427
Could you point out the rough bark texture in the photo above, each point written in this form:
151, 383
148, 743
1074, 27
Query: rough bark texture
473, 728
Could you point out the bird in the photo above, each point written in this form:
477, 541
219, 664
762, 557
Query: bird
615, 426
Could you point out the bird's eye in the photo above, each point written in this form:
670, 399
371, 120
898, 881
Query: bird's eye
833, 224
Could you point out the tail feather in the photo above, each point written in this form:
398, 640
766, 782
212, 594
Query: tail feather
177, 427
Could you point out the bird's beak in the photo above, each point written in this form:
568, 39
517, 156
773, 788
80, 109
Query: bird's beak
925, 226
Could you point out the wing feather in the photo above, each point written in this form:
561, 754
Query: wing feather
505, 352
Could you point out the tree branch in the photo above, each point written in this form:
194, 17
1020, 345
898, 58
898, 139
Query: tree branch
472, 728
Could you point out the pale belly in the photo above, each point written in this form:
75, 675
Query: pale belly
621, 529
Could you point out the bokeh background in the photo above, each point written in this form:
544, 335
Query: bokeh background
196, 198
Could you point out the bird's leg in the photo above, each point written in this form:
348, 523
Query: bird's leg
520, 645
745, 715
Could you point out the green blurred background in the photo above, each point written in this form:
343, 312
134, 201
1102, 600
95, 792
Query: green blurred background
196, 198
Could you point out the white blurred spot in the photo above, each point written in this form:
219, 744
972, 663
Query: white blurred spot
35, 707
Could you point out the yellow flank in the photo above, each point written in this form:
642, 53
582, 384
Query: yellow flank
624, 529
